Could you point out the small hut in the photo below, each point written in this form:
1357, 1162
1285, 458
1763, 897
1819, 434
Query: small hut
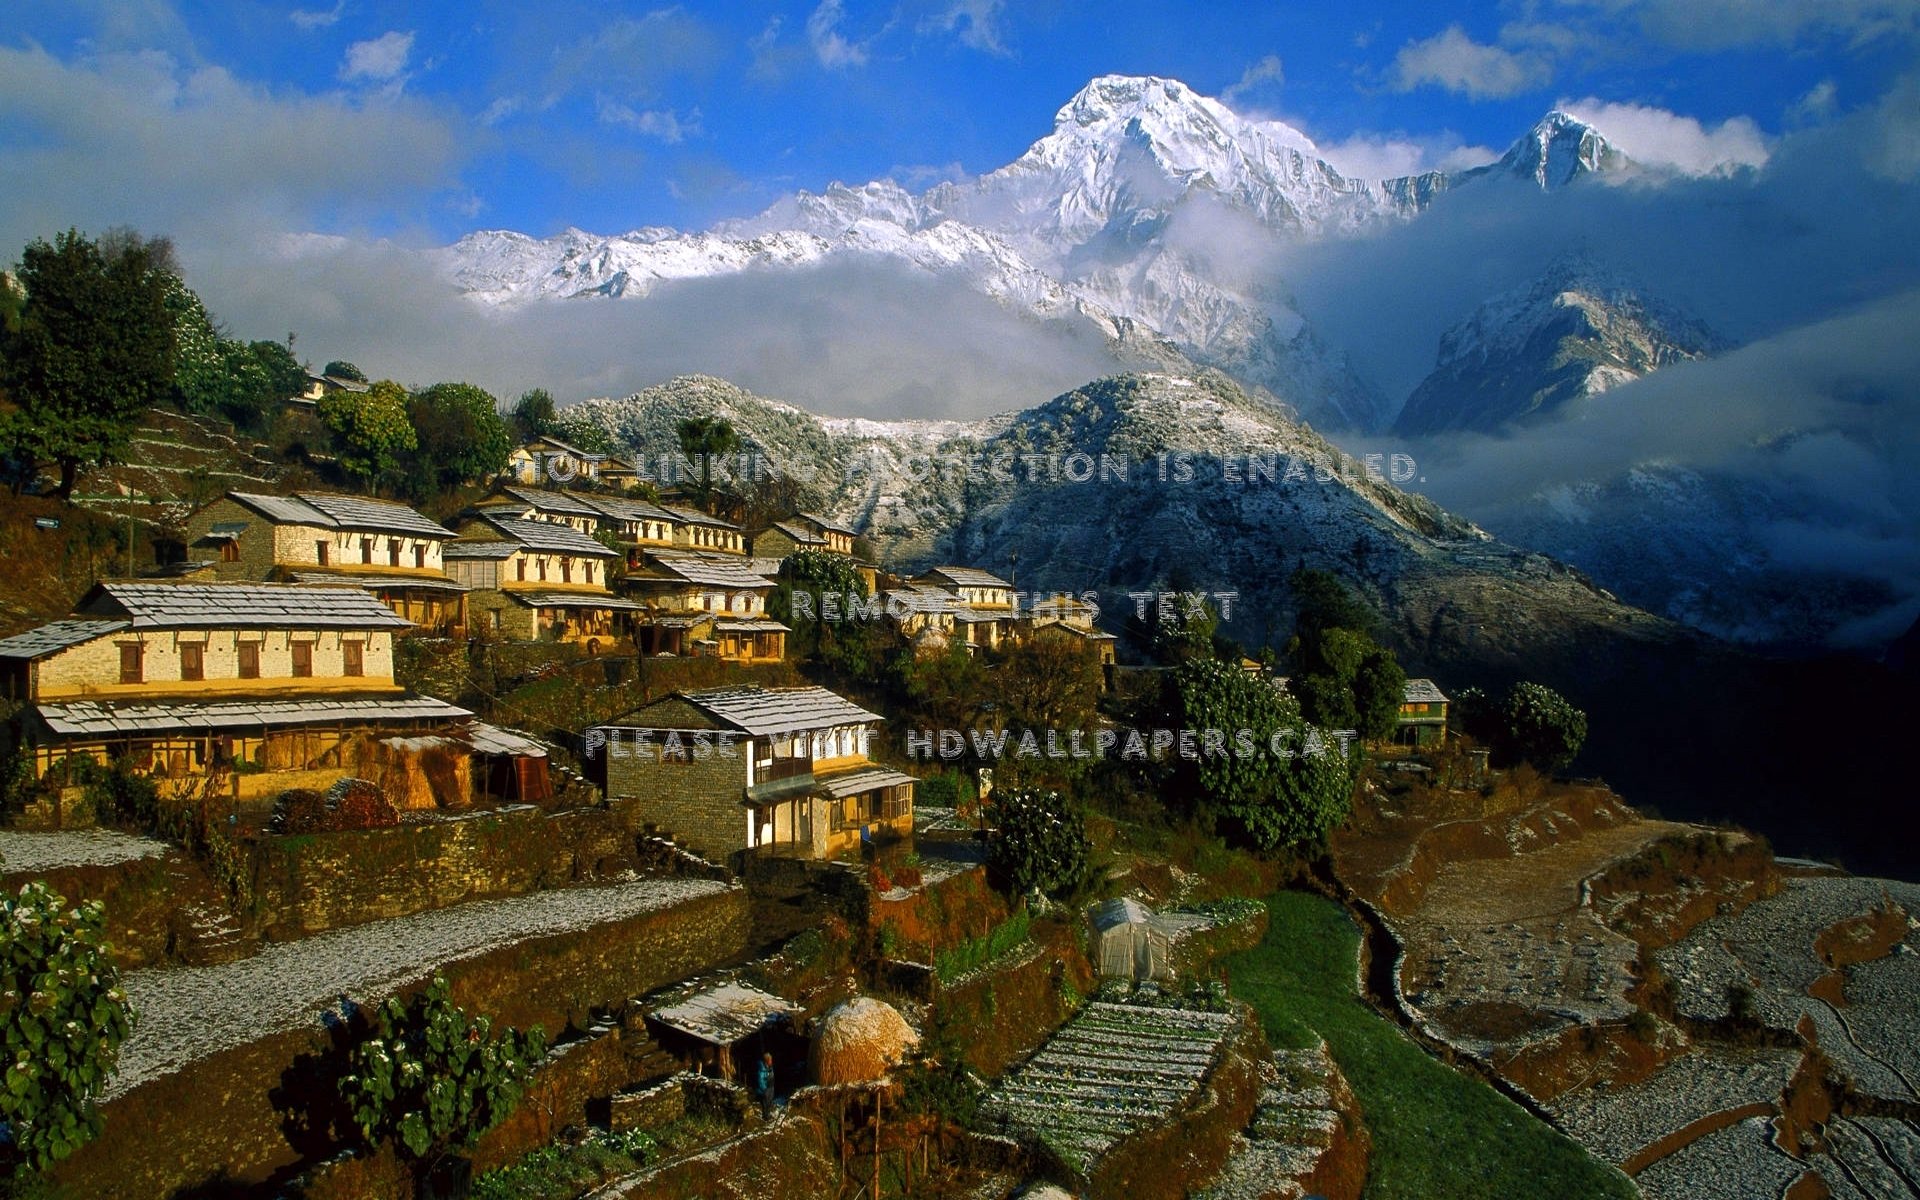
722, 1029
859, 1040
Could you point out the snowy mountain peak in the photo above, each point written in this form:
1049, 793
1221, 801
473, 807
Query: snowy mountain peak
1559, 149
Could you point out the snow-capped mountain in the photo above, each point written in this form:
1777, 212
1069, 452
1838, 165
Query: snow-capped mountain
1576, 331
1148, 207
1145, 481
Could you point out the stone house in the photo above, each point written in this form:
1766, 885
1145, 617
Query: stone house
533, 580
984, 616
545, 461
753, 770
1068, 616
280, 685
387, 549
695, 530
802, 531
635, 524
705, 604
1423, 715
514, 502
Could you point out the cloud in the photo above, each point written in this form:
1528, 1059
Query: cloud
829, 45
655, 123
379, 59
93, 137
308, 20
1454, 61
862, 338
1820, 103
976, 21
1656, 137
1395, 155
1266, 73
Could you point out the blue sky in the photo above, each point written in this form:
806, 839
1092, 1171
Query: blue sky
419, 122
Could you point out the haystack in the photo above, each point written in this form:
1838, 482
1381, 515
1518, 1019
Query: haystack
859, 1040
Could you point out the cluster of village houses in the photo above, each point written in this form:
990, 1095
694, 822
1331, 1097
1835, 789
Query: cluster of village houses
264, 659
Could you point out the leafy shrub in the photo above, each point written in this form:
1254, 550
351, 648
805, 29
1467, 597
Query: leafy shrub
952, 963
63, 1017
350, 804
432, 1078
1039, 843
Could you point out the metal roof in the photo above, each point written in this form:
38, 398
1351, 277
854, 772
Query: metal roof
693, 516
558, 599
84, 718
862, 779
56, 636
370, 582
725, 1014
547, 500
492, 739
1423, 691
969, 577
242, 605
712, 572
549, 537
758, 710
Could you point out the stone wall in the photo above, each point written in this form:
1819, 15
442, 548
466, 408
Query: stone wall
698, 801
259, 1112
1004, 1011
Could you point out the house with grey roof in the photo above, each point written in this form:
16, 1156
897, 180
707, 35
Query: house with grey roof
546, 461
535, 580
712, 603
264, 686
329, 538
756, 771
982, 614
802, 531
1423, 714
696, 530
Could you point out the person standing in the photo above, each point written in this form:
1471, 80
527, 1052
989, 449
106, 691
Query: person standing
763, 1084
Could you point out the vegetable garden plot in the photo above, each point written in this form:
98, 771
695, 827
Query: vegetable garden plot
1115, 1070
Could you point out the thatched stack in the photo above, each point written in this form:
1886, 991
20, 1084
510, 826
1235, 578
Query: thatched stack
859, 1040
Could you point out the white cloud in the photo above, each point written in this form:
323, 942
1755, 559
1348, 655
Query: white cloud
663, 124
1393, 155
379, 59
500, 109
1454, 61
309, 20
1267, 72
1658, 138
1820, 103
830, 46
976, 21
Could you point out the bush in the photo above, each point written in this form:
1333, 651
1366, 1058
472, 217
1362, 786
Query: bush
63, 1017
1039, 843
432, 1078
350, 804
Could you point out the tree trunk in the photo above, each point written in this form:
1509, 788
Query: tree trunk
69, 475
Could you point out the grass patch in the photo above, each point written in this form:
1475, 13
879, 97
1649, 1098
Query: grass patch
1437, 1134
975, 952
563, 1172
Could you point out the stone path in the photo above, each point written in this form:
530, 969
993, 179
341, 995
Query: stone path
21, 851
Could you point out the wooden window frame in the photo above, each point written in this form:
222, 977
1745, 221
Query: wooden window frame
133, 667
302, 655
353, 657
248, 656
193, 662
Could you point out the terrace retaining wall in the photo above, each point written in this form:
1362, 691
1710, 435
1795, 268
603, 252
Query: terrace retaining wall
258, 1112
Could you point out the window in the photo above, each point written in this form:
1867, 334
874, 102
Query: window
302, 660
393, 552
320, 552
353, 658
420, 555
230, 550
130, 663
366, 550
249, 653
590, 567
543, 569
520, 566
566, 570
193, 661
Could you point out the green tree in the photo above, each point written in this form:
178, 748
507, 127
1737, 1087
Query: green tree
432, 1078
946, 687
461, 438
1542, 727
703, 438
339, 368
533, 414
63, 1017
1270, 777
1039, 843
1048, 682
94, 347
844, 637
1343, 677
372, 429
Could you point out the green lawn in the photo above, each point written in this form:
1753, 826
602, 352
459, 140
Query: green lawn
1437, 1133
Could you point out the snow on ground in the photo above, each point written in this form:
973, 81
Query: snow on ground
32, 851
187, 1014
1616, 1122
1735, 1163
